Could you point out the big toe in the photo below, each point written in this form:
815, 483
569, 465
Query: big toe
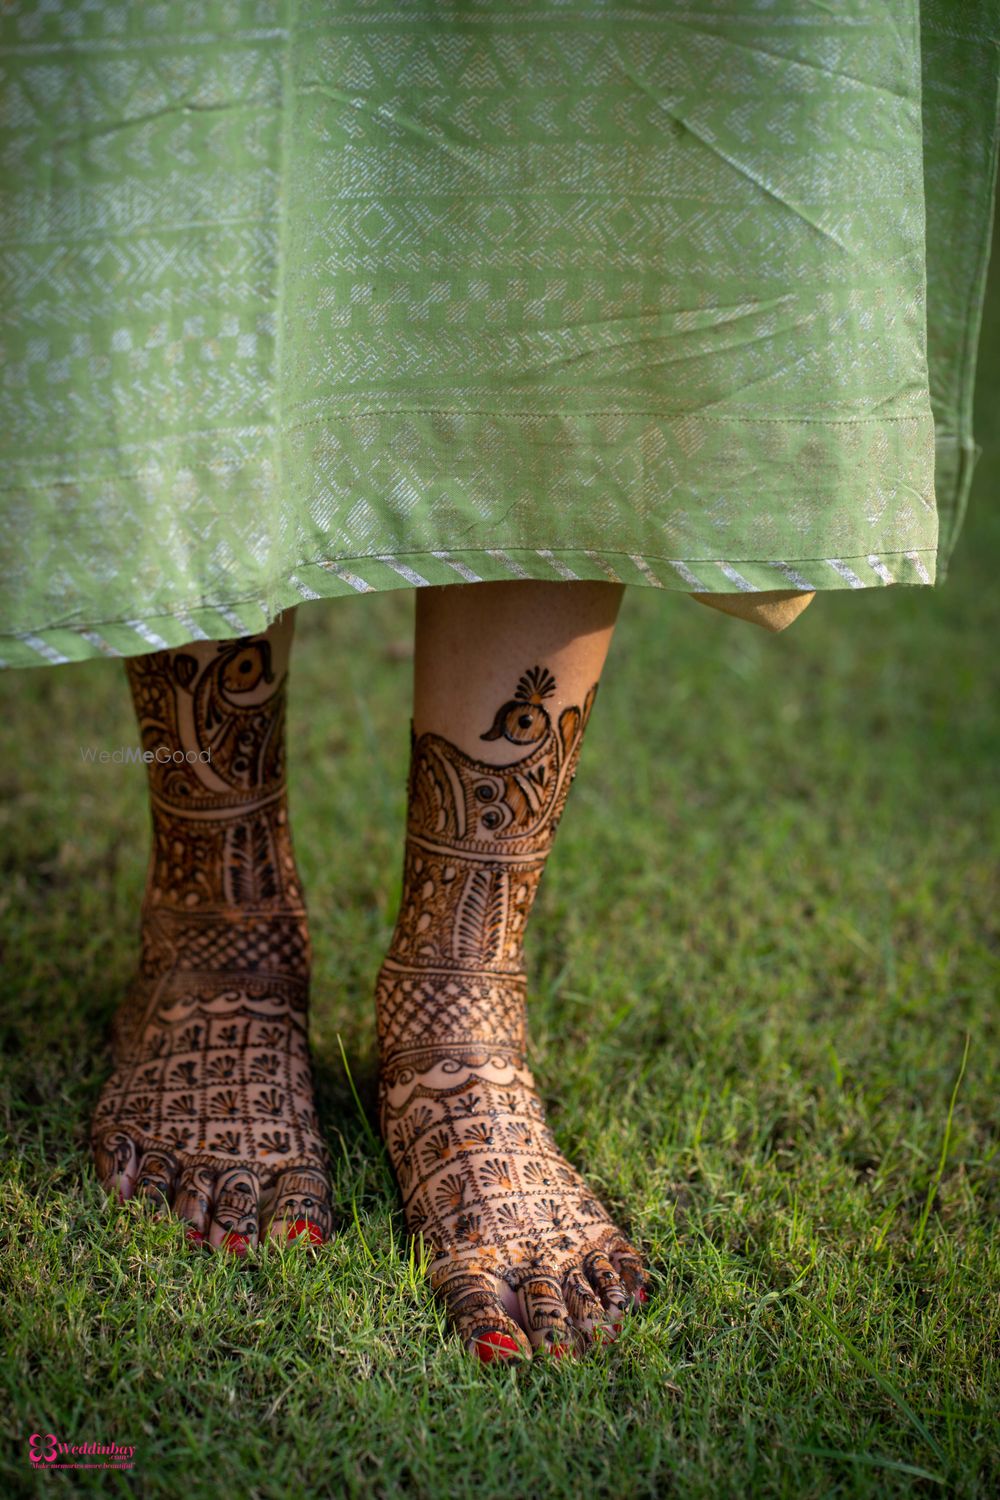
299, 1207
476, 1310
116, 1158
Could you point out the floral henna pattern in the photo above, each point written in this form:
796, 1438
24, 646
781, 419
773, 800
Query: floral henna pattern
210, 1107
523, 1255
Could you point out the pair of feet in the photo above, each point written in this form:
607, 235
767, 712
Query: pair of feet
210, 1113
210, 1109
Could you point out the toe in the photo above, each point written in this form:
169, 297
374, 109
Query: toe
545, 1314
235, 1214
496, 1345
585, 1308
298, 1207
193, 1201
628, 1263
116, 1157
607, 1284
477, 1313
156, 1175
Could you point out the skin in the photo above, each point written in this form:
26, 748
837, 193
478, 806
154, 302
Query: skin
473, 641
210, 1109
524, 1258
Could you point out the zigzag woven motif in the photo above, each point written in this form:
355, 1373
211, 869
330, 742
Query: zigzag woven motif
307, 297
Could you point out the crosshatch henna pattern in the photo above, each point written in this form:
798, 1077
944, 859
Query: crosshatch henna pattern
518, 1240
210, 1107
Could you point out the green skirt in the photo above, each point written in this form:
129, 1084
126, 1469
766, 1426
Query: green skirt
321, 297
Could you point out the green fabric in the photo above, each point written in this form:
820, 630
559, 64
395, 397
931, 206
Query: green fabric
317, 298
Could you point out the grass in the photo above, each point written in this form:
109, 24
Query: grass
765, 967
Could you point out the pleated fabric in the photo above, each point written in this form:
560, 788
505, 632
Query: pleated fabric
316, 297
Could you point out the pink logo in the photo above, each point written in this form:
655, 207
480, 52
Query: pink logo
46, 1448
51, 1451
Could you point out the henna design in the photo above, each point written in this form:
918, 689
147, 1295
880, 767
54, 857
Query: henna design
510, 1222
210, 1106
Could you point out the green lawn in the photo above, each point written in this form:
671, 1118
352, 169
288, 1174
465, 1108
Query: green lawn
766, 937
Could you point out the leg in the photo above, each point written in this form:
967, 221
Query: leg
523, 1255
210, 1107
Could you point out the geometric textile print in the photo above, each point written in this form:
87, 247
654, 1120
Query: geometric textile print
306, 298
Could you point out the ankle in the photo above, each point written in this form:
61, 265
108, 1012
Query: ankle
431, 1016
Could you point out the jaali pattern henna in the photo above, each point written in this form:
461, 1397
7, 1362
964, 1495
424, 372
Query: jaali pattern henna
210, 1107
519, 1243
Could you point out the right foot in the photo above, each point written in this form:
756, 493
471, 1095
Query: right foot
524, 1257
210, 1109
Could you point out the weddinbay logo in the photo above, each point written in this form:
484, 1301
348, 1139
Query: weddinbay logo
127, 755
46, 1451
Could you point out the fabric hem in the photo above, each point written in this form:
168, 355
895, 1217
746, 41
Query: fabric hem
326, 578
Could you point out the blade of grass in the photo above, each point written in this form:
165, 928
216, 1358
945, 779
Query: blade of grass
945, 1144
361, 1234
876, 1374
873, 1460
360, 1108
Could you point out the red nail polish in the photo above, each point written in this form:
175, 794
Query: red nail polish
237, 1243
495, 1345
558, 1350
195, 1237
604, 1335
641, 1294
306, 1227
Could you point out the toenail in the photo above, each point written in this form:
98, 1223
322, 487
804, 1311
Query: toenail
558, 1350
195, 1237
604, 1334
641, 1294
237, 1243
495, 1345
307, 1230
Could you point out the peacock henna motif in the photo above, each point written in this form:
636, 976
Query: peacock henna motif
519, 1244
210, 1107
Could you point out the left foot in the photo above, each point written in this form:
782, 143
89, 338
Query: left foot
524, 1256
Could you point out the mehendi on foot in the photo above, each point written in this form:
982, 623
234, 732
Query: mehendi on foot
524, 1256
210, 1107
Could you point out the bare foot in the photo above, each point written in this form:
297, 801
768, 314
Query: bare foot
210, 1108
524, 1256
